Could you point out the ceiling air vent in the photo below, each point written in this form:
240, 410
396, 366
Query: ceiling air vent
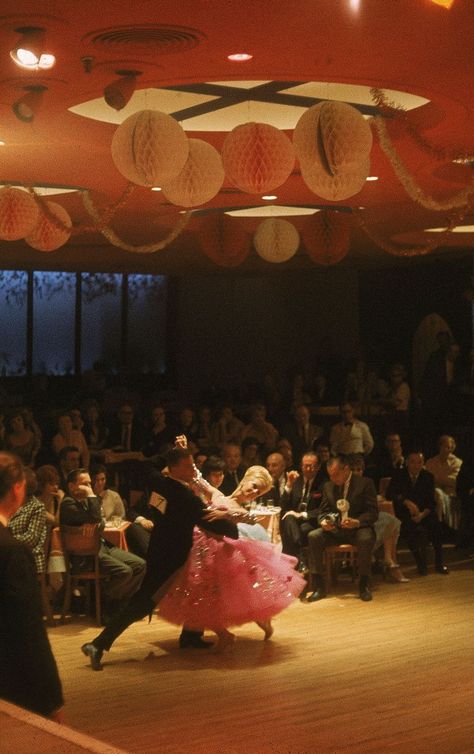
151, 38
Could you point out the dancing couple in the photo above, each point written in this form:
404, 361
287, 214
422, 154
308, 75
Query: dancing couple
211, 579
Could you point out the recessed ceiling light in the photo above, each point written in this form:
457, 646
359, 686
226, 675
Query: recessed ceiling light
156, 188
372, 178
2, 143
269, 197
239, 57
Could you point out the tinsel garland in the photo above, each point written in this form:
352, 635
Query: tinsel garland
399, 112
461, 200
413, 251
112, 237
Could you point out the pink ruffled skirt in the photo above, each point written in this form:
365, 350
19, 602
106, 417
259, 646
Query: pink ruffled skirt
229, 582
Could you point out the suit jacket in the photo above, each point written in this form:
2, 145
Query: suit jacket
28, 672
421, 493
137, 435
228, 485
298, 443
290, 501
362, 499
74, 512
179, 511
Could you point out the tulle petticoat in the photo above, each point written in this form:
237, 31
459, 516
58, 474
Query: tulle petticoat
229, 582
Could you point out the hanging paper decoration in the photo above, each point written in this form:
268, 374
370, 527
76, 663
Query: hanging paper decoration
224, 239
326, 237
52, 229
257, 157
19, 213
276, 240
150, 148
200, 179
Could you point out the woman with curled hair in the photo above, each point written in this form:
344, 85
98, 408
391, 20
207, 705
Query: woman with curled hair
227, 582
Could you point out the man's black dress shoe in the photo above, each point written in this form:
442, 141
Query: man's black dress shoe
442, 569
194, 642
319, 594
365, 594
94, 654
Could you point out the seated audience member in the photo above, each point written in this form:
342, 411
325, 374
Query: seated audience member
76, 418
323, 452
126, 431
356, 528
28, 672
213, 471
259, 428
391, 459
445, 467
69, 459
285, 448
200, 458
298, 392
138, 533
29, 525
465, 492
95, 429
31, 423
397, 402
356, 387
125, 570
250, 452
350, 436
387, 532
300, 503
412, 492
301, 432
187, 424
276, 466
204, 431
110, 501
234, 468
227, 429
67, 436
20, 439
159, 434
49, 492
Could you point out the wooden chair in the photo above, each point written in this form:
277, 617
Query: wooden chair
334, 555
84, 542
43, 584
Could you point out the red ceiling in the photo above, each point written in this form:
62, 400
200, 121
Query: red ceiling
410, 45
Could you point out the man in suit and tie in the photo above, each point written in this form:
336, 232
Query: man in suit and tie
356, 528
412, 491
300, 505
234, 470
276, 466
302, 433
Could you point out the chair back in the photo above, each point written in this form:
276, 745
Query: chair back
81, 540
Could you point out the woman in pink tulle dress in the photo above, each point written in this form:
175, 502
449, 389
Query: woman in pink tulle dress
227, 582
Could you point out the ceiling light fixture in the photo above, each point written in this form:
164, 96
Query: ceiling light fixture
372, 178
269, 197
27, 106
119, 93
444, 3
29, 51
239, 57
156, 188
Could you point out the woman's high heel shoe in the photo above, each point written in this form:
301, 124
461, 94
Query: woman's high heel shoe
394, 572
267, 628
225, 640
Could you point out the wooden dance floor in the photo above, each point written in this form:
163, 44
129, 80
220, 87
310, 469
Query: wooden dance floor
394, 675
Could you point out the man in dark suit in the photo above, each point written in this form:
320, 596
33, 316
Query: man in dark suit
234, 471
124, 570
275, 464
28, 672
412, 492
176, 510
336, 528
300, 504
301, 432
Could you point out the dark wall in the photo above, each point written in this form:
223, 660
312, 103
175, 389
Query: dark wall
235, 329
394, 301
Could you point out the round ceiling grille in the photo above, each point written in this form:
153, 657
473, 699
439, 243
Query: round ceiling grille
156, 38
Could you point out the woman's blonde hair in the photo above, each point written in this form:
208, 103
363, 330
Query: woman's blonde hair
260, 476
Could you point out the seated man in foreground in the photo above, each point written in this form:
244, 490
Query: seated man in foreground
354, 526
125, 570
